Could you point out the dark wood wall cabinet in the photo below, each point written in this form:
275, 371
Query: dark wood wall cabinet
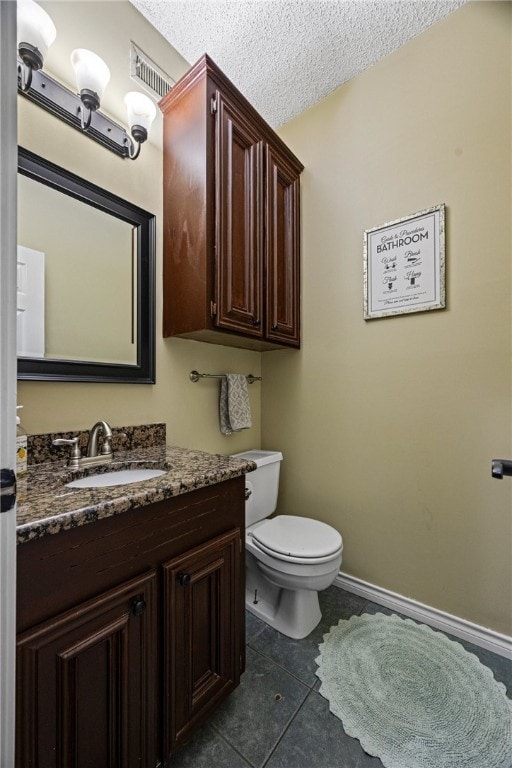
231, 218
130, 630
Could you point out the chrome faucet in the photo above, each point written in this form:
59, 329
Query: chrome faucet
76, 460
92, 445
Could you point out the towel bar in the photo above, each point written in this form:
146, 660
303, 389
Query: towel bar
195, 376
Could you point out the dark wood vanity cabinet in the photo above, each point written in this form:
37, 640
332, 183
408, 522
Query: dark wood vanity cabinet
130, 630
200, 634
231, 218
86, 682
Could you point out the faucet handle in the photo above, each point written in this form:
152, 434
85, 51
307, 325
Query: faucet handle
106, 447
74, 454
72, 441
120, 438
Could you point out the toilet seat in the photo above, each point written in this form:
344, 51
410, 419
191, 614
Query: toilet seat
297, 539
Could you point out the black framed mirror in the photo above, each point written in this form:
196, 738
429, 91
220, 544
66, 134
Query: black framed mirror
86, 280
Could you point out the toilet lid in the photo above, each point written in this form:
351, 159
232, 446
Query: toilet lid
294, 536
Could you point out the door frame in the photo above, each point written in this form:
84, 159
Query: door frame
8, 226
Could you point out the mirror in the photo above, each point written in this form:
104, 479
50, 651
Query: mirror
86, 274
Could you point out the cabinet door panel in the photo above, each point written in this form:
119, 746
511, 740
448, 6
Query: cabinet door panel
87, 684
238, 206
282, 250
201, 633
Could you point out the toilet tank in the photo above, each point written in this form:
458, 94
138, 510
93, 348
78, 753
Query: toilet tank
263, 484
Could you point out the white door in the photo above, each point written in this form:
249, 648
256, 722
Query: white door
30, 302
8, 184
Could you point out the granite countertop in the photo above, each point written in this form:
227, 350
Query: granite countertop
46, 506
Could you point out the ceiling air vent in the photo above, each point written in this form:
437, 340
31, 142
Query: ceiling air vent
148, 74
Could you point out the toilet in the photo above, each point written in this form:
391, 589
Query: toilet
289, 559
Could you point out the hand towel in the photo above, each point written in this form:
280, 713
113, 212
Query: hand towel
234, 407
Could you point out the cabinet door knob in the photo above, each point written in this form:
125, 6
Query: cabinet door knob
256, 321
138, 607
184, 579
274, 327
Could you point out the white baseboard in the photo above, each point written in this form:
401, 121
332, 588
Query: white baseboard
473, 633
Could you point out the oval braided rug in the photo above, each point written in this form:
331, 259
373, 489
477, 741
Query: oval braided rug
412, 697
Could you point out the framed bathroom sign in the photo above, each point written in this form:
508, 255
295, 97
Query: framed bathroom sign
404, 265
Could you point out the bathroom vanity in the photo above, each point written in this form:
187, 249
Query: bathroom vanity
130, 610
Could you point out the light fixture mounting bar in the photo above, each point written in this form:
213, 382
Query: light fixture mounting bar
66, 105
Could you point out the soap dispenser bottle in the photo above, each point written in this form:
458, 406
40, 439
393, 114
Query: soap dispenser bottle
21, 447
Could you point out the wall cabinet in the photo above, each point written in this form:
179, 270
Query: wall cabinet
130, 630
231, 218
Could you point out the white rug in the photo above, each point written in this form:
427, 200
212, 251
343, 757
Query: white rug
412, 697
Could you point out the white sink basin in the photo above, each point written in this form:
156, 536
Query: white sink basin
118, 477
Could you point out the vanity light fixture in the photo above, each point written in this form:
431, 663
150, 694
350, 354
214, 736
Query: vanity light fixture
36, 32
92, 76
141, 113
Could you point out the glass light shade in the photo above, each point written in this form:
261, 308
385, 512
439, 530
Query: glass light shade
141, 110
35, 26
91, 72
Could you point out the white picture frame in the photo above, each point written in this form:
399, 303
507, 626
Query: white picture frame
404, 265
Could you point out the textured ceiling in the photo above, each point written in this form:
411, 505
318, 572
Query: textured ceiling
285, 55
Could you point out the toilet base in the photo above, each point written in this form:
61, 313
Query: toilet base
293, 612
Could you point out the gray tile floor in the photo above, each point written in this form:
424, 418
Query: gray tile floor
277, 718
